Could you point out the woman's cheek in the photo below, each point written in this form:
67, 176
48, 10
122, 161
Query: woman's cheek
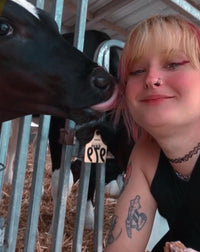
129, 95
179, 81
130, 101
131, 88
131, 92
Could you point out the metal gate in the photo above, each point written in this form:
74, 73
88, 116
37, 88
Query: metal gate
9, 227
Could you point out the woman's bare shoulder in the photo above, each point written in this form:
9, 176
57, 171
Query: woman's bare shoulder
145, 156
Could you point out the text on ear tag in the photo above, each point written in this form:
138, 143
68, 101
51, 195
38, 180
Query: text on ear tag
95, 150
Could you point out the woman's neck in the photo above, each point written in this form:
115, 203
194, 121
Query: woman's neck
181, 146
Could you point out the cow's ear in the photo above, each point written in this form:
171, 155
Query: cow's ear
47, 20
6, 28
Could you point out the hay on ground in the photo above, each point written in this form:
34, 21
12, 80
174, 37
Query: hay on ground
43, 243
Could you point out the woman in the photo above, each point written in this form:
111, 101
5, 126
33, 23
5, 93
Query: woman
160, 99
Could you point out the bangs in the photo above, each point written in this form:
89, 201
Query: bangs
160, 35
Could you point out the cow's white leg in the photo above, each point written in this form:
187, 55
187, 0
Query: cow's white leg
54, 191
120, 181
114, 189
89, 215
115, 186
12, 147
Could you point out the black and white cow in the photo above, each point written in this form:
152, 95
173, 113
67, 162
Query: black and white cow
40, 73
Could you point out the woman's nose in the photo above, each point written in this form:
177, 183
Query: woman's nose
153, 82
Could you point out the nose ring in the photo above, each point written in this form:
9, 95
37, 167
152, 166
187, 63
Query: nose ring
158, 82
153, 82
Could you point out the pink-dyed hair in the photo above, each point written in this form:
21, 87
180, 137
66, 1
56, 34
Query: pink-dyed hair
165, 32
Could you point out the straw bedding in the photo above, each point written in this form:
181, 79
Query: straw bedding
43, 237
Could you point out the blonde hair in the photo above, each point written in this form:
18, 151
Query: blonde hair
163, 33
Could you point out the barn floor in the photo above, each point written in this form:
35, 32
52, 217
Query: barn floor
43, 238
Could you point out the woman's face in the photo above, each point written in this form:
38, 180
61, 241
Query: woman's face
175, 102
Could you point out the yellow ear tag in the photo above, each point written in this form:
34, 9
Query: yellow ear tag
2, 5
95, 150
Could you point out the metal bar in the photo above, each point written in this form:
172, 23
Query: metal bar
57, 11
79, 37
40, 4
102, 49
4, 139
38, 174
184, 5
79, 34
17, 185
37, 182
102, 57
81, 207
58, 225
60, 210
99, 208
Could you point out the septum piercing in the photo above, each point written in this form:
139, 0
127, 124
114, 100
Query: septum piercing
158, 82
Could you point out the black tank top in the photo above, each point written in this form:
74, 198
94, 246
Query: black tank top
170, 192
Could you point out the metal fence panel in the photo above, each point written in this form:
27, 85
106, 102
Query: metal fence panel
37, 182
17, 184
8, 243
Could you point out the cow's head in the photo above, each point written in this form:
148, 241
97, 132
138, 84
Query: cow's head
41, 73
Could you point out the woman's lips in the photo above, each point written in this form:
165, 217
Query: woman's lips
155, 98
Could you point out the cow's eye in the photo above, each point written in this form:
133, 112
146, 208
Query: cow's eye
5, 29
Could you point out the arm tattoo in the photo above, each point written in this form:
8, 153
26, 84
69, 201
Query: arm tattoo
135, 219
111, 237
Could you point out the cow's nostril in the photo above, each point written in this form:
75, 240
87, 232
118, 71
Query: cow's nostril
101, 79
101, 82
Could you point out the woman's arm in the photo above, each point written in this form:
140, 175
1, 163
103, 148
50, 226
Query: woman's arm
134, 214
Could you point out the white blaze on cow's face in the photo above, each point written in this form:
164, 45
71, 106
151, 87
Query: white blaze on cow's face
28, 6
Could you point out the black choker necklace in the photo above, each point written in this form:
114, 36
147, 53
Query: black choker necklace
187, 156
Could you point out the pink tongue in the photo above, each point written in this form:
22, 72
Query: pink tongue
107, 105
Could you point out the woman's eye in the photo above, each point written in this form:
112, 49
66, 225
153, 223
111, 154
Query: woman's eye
136, 72
174, 65
5, 29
